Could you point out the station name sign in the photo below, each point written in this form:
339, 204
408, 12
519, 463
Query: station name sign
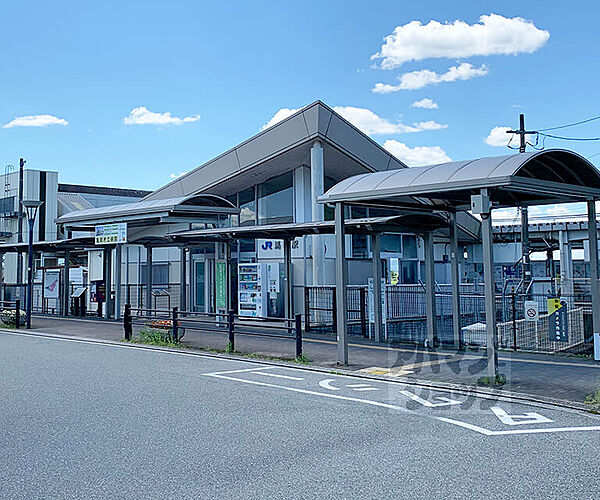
109, 234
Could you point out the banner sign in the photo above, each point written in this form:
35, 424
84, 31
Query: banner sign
107, 234
558, 324
371, 297
221, 285
532, 312
51, 284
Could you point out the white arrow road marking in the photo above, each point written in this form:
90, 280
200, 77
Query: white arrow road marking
429, 404
266, 374
527, 418
326, 384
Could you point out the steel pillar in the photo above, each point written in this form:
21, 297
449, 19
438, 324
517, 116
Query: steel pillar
593, 242
430, 291
148, 304
455, 277
183, 279
490, 299
525, 248
317, 180
66, 292
341, 282
288, 289
118, 281
108, 280
377, 316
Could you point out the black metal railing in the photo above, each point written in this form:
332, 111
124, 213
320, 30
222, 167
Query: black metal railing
176, 323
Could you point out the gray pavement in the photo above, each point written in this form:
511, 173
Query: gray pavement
86, 420
551, 376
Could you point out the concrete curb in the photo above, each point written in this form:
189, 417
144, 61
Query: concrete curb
481, 392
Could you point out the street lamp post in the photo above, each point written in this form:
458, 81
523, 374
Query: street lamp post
31, 209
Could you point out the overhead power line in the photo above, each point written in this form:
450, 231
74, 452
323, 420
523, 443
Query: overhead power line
570, 124
570, 138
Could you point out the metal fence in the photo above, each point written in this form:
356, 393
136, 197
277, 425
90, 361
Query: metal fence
406, 317
320, 305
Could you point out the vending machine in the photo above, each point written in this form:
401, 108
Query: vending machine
252, 294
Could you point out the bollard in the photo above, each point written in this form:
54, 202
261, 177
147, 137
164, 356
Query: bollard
17, 313
230, 331
298, 331
174, 335
127, 322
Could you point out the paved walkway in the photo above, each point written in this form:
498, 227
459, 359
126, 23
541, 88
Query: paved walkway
552, 376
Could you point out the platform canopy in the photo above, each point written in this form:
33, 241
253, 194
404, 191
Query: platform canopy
398, 223
541, 177
144, 213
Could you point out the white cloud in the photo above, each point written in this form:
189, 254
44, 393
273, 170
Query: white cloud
421, 78
143, 116
417, 156
499, 137
367, 121
177, 176
35, 121
282, 114
425, 103
493, 34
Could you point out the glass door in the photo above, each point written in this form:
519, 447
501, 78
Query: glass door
199, 286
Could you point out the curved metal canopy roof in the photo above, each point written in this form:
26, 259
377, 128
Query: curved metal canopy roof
182, 205
550, 176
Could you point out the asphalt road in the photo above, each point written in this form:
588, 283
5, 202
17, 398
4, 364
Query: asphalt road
85, 420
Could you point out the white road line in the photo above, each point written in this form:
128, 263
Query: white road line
278, 376
357, 385
313, 393
243, 370
487, 432
366, 389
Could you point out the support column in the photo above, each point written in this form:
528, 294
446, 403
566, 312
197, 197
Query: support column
566, 264
148, 304
455, 278
593, 241
488, 281
108, 280
118, 281
66, 288
183, 279
288, 290
341, 282
430, 291
377, 316
317, 181
525, 248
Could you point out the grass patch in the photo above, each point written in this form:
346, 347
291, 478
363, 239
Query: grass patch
593, 401
154, 336
498, 381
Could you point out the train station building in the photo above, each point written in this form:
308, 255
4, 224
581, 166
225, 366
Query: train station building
254, 230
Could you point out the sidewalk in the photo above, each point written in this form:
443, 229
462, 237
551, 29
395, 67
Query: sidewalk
551, 376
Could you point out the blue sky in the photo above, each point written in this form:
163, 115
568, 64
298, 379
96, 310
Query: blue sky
230, 66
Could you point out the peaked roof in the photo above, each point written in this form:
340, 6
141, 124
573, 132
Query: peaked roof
286, 144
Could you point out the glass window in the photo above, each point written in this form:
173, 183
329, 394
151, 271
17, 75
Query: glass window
247, 207
358, 213
359, 246
409, 272
276, 200
247, 245
160, 274
391, 243
409, 246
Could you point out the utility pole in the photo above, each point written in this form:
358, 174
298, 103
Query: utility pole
20, 226
522, 133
